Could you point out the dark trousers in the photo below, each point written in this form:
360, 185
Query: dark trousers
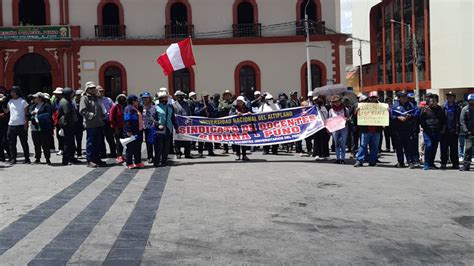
93, 138
41, 140
108, 133
4, 143
240, 150
51, 140
355, 139
149, 146
69, 145
186, 145
449, 148
321, 144
388, 135
209, 147
78, 133
266, 149
20, 132
309, 144
468, 150
403, 142
431, 146
119, 147
60, 140
299, 146
134, 152
162, 148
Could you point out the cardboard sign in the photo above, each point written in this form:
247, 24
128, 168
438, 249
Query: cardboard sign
334, 124
373, 114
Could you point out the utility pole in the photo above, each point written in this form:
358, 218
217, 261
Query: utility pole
308, 59
360, 67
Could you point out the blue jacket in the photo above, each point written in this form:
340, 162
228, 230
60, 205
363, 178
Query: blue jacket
211, 110
407, 110
130, 118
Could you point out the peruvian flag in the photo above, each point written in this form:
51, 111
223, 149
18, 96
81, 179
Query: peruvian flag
177, 56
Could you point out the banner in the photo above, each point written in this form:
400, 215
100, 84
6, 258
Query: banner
261, 129
35, 33
373, 114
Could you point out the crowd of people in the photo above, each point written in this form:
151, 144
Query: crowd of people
414, 134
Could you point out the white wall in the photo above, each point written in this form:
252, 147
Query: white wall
7, 13
452, 43
280, 65
361, 28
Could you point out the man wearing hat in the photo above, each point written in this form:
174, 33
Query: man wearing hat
205, 108
294, 103
164, 120
269, 106
67, 121
450, 138
433, 122
41, 125
181, 107
257, 101
404, 123
148, 125
93, 113
467, 127
18, 124
192, 101
4, 118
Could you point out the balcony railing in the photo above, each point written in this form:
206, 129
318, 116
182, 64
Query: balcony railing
315, 27
247, 30
110, 31
179, 31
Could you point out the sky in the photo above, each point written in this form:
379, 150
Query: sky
346, 16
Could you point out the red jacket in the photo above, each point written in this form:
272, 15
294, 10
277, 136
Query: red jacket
116, 116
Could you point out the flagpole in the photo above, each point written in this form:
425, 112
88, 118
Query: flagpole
195, 71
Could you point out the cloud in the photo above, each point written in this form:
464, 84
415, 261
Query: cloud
346, 16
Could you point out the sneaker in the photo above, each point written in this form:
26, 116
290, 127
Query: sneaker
317, 158
245, 158
302, 154
426, 168
139, 165
358, 164
400, 165
443, 167
131, 166
461, 159
59, 153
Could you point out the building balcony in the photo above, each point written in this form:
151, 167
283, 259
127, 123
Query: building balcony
110, 31
247, 30
315, 27
179, 31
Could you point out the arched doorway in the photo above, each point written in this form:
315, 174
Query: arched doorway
247, 79
113, 78
318, 76
246, 19
32, 12
32, 72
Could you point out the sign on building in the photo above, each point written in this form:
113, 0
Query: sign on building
35, 33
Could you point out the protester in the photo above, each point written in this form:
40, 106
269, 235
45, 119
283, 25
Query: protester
240, 108
369, 139
467, 127
404, 123
41, 125
117, 125
269, 106
388, 131
67, 120
433, 122
133, 127
205, 108
164, 121
148, 127
257, 101
106, 104
79, 127
294, 103
321, 138
93, 113
449, 139
339, 136
4, 118
57, 95
192, 101
181, 107
17, 125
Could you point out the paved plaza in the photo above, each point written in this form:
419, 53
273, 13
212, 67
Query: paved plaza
280, 210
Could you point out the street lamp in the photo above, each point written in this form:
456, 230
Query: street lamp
415, 56
308, 60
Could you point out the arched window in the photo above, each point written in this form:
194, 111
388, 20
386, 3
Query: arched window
247, 78
113, 78
318, 76
246, 19
314, 16
182, 80
31, 12
110, 20
178, 19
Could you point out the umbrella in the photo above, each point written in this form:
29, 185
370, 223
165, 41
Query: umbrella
329, 90
351, 96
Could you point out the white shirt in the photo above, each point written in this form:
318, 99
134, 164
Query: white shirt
269, 108
17, 111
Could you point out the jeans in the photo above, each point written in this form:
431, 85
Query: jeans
469, 150
149, 146
93, 139
449, 148
41, 141
431, 146
404, 146
108, 133
162, 148
340, 138
369, 140
13, 133
462, 143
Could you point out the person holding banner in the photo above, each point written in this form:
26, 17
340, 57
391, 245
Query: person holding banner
224, 107
133, 127
339, 136
321, 138
240, 108
164, 122
181, 107
205, 108
148, 113
433, 122
269, 106
369, 138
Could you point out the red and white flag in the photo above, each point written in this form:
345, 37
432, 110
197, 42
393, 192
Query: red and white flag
177, 56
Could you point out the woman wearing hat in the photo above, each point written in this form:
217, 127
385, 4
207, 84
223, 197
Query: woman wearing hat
41, 125
339, 136
117, 124
148, 113
164, 122
240, 108
133, 127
